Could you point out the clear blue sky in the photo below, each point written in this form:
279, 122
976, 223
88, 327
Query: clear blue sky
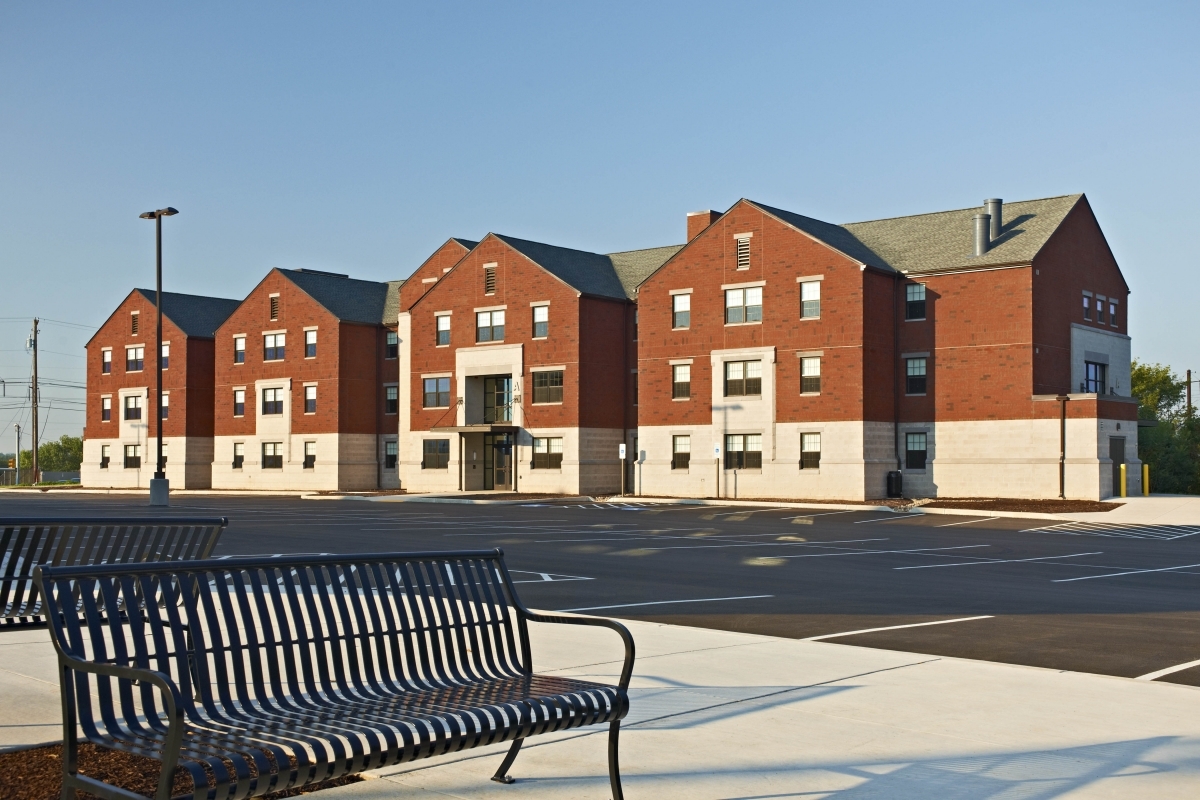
357, 137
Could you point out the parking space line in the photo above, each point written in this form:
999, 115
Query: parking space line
822, 514
968, 522
853, 552
771, 544
893, 628
884, 519
750, 511
1153, 676
1000, 561
1130, 572
670, 602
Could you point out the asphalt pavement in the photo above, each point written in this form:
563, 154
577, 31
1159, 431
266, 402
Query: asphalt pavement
1110, 598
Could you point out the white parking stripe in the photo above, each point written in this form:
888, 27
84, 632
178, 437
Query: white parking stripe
1130, 572
968, 522
822, 514
770, 544
670, 602
885, 519
1000, 561
1153, 676
893, 628
852, 552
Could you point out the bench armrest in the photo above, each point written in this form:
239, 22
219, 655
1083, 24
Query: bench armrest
170, 692
601, 622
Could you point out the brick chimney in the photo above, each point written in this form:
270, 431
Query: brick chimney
699, 220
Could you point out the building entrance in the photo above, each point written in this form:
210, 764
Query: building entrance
1116, 451
497, 461
497, 398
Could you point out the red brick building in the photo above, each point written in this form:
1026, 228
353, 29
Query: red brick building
523, 359
120, 433
306, 376
782, 356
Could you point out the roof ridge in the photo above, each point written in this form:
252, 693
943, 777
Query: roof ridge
954, 210
505, 237
188, 294
643, 249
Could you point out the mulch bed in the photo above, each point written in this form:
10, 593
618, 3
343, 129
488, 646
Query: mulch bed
36, 774
1013, 504
892, 502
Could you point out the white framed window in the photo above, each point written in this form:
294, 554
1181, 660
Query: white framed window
681, 311
681, 452
810, 299
165, 355
105, 409
239, 349
104, 456
272, 401
743, 305
239, 454
489, 326
743, 451
272, 455
135, 359
810, 451
390, 454
541, 322
133, 456
164, 406
310, 455
743, 378
133, 406
681, 381
810, 375
310, 344
915, 450
443, 329
274, 346
239, 402
547, 453
914, 301
106, 362
310, 399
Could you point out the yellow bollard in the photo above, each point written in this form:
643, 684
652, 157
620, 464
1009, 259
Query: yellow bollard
1146, 480
1123, 483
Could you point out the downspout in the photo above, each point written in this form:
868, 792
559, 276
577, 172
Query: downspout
627, 400
896, 370
379, 414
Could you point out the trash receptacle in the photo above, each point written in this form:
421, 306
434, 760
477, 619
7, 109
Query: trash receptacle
895, 484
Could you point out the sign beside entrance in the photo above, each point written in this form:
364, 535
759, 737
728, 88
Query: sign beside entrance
622, 451
717, 451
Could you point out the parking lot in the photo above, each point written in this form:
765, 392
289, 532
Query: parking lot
1112, 599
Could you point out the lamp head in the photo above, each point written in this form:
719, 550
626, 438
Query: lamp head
162, 212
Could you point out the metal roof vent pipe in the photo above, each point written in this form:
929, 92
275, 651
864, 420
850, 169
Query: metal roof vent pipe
983, 224
995, 207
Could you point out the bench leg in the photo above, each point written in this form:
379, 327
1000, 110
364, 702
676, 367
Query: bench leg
502, 775
614, 769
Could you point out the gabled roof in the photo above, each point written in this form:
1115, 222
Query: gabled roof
467, 243
348, 299
194, 314
391, 304
945, 240
835, 236
615, 275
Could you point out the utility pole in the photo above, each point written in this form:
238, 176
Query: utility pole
34, 343
1062, 447
17, 460
1189, 393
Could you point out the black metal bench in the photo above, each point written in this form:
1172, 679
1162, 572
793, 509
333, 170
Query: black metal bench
261, 674
28, 542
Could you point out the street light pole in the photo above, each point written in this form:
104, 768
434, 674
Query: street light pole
160, 487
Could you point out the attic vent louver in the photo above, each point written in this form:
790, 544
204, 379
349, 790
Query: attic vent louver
275, 307
133, 323
743, 253
489, 280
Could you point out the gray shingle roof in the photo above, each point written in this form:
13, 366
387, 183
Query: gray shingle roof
196, 315
945, 240
467, 243
391, 304
939, 241
348, 299
615, 275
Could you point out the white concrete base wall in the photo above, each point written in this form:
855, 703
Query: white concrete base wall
345, 462
189, 463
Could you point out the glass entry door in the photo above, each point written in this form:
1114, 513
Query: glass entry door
497, 398
497, 460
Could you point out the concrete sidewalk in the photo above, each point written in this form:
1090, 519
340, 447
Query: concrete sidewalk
726, 715
1157, 509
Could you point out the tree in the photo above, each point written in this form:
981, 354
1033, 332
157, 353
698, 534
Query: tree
1172, 447
65, 455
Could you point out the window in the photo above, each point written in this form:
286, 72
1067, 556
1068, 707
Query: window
681, 452
164, 406
743, 253
548, 387
437, 393
135, 359
541, 322
239, 455
914, 379
810, 376
547, 453
239, 349
743, 451
104, 457
310, 455
914, 301
133, 456
443, 329
392, 345
489, 326
274, 306
1100, 310
133, 323
273, 346
914, 451
810, 451
743, 378
310, 399
743, 305
165, 356
681, 311
272, 455
133, 407
310, 344
489, 279
436, 454
391, 400
810, 299
1112, 314
239, 402
1095, 377
106, 361
105, 409
389, 455
272, 401
1087, 307
681, 381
